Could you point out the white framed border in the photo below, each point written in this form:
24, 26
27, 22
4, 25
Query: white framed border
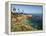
26, 3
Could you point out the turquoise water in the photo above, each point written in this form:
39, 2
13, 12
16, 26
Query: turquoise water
35, 22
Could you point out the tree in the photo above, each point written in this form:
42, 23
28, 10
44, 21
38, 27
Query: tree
14, 9
18, 10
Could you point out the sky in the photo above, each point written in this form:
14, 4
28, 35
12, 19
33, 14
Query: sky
33, 9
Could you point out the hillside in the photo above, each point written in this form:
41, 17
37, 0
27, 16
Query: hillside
19, 22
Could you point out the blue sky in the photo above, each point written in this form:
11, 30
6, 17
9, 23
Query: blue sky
34, 9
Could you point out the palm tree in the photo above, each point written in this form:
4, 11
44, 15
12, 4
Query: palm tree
18, 10
14, 9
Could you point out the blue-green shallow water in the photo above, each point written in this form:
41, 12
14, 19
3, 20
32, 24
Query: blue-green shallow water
35, 21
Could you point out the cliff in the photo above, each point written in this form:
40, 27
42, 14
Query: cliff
18, 22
